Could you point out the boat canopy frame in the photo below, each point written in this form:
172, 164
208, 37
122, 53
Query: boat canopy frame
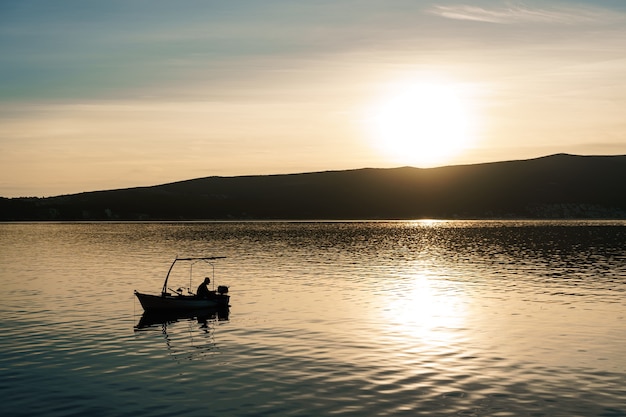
189, 259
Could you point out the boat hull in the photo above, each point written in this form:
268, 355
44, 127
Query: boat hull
167, 302
155, 317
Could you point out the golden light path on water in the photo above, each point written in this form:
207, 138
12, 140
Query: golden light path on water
423, 313
429, 305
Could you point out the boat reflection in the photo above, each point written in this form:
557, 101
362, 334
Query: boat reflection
188, 335
203, 316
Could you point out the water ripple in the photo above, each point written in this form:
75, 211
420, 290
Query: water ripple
346, 319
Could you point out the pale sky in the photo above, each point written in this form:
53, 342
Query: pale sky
111, 94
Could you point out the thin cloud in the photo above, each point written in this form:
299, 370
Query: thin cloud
516, 14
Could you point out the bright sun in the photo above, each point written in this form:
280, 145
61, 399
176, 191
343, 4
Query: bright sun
421, 124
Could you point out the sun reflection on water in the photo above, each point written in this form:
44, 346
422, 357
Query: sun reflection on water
428, 310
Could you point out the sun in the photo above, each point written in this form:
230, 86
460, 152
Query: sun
421, 124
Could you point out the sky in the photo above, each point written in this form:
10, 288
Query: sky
103, 95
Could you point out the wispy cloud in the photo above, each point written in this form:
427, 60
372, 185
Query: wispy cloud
519, 13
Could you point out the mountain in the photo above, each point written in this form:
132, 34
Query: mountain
557, 186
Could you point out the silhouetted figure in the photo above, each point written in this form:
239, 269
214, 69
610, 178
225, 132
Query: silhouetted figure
203, 289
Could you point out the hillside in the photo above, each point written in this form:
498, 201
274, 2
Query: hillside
557, 186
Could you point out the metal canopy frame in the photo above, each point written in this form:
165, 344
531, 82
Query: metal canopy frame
204, 258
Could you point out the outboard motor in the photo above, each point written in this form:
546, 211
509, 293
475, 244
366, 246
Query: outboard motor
222, 289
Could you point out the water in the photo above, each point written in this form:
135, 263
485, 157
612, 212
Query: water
347, 319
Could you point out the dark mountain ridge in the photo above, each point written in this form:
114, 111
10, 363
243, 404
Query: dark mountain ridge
557, 186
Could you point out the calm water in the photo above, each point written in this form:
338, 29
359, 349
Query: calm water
346, 319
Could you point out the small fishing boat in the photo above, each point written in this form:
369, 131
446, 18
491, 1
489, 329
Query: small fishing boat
175, 300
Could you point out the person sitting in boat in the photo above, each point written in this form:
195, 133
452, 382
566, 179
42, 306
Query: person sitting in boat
203, 289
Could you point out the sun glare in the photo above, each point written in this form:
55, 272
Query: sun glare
425, 311
421, 124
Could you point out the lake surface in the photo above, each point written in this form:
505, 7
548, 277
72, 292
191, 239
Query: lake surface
425, 318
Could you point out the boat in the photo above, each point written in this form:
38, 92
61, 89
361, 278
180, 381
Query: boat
175, 300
